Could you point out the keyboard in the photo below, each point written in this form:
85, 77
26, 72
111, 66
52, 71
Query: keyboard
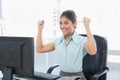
46, 76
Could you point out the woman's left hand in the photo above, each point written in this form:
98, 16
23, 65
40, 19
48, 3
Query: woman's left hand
86, 21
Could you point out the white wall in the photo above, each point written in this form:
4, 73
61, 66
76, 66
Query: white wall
20, 17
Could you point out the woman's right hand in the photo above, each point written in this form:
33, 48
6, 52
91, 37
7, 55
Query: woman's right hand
40, 25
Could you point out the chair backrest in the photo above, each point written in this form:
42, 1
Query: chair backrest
96, 63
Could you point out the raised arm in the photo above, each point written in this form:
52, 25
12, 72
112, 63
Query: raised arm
39, 45
90, 46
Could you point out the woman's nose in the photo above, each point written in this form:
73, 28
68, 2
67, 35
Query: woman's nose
62, 26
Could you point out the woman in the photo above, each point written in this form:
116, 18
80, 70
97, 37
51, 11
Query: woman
71, 47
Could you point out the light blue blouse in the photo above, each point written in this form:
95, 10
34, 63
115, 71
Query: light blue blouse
71, 55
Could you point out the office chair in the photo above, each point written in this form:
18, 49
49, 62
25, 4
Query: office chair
95, 66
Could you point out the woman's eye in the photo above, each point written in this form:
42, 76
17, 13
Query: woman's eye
65, 22
60, 23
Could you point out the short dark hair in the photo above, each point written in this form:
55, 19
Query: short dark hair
70, 14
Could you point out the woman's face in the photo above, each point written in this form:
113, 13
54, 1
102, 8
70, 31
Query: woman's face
67, 26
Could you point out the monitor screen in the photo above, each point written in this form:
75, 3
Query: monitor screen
16, 56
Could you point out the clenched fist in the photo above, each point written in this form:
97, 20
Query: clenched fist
86, 21
40, 25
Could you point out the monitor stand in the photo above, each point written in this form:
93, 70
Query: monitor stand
7, 74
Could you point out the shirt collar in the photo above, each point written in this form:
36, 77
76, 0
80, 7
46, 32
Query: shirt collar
61, 39
74, 37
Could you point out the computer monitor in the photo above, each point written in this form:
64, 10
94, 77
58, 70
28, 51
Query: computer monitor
16, 56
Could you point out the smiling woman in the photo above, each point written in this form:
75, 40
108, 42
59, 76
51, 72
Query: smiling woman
68, 42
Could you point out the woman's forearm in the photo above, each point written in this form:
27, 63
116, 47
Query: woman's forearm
39, 43
91, 44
